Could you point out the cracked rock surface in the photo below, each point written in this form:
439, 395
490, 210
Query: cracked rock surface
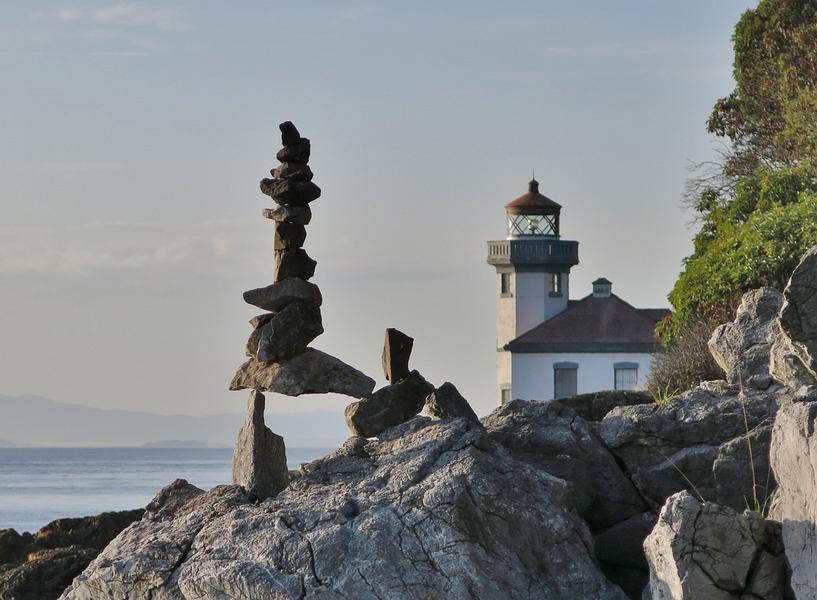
432, 509
706, 551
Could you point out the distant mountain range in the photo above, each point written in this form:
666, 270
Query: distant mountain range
37, 421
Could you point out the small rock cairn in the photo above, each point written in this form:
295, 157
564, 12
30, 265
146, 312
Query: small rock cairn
280, 359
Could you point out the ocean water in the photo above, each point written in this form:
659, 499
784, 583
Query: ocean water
38, 485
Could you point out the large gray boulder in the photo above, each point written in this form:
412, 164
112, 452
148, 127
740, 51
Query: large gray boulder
593, 407
312, 372
703, 551
259, 456
389, 406
798, 319
742, 348
794, 459
430, 510
699, 442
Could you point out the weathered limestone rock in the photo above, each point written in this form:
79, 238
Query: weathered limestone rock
388, 406
794, 460
300, 215
287, 333
699, 551
552, 437
594, 406
290, 191
396, 354
742, 348
431, 511
446, 402
276, 296
294, 264
684, 443
259, 456
289, 236
293, 171
798, 319
312, 372
299, 153
785, 363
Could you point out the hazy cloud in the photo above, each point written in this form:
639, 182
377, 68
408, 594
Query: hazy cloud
165, 19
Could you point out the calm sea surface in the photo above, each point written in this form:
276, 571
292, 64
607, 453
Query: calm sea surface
38, 485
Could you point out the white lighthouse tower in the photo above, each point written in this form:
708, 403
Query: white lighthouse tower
532, 274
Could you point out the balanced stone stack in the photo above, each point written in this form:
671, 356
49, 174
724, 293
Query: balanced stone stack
280, 359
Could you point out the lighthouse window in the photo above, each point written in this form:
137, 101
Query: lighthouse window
505, 284
555, 284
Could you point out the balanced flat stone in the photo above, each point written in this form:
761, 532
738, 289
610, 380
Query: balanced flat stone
288, 333
289, 236
396, 353
259, 457
289, 134
388, 406
301, 215
293, 264
312, 372
288, 191
293, 171
299, 153
276, 296
446, 402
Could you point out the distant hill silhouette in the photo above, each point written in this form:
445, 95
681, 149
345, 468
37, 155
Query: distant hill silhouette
37, 421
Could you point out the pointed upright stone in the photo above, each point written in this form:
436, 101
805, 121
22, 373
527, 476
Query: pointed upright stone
396, 353
259, 457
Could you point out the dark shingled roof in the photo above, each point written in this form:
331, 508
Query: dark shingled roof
533, 203
594, 325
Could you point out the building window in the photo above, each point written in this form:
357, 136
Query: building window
505, 284
506, 395
555, 284
626, 376
564, 379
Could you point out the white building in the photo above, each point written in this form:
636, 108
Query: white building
549, 346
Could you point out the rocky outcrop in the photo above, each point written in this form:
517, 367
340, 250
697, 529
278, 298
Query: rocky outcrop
259, 457
742, 348
388, 406
798, 319
700, 441
594, 407
432, 509
40, 566
703, 550
794, 459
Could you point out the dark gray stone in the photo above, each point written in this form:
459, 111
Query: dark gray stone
595, 406
293, 171
259, 320
289, 236
294, 264
290, 192
298, 153
798, 319
620, 552
388, 406
276, 296
742, 348
300, 215
289, 134
259, 456
312, 372
446, 402
288, 333
396, 353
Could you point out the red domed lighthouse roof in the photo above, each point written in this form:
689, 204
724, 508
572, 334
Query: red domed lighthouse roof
533, 203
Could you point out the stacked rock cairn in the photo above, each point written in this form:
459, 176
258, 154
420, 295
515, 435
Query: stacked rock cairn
280, 359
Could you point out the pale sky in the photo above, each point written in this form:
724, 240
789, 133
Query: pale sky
135, 134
